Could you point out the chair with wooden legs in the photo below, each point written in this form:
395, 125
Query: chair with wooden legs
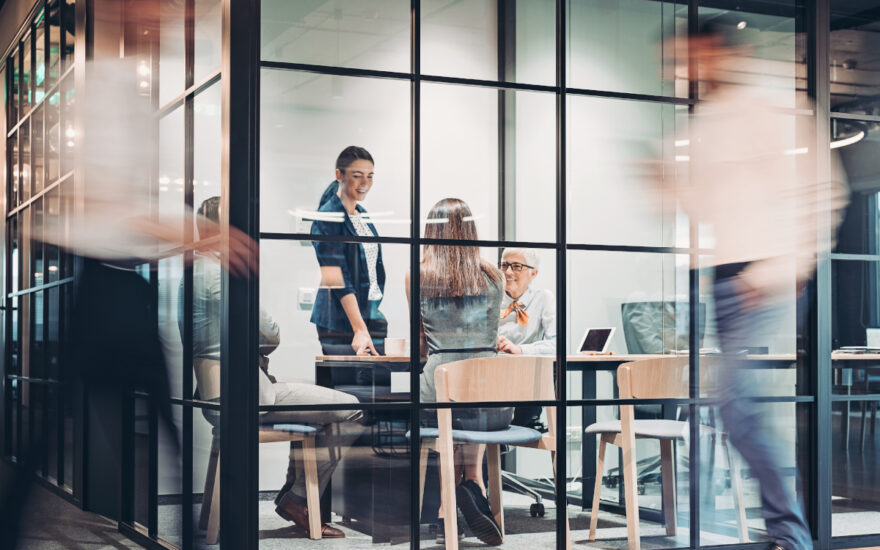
209, 518
508, 378
663, 378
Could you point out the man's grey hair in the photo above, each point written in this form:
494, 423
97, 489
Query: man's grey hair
530, 255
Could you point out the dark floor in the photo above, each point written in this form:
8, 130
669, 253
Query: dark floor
52, 523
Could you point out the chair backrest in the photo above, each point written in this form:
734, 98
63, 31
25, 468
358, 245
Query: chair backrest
664, 378
502, 378
651, 327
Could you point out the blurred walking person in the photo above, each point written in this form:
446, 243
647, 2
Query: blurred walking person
751, 181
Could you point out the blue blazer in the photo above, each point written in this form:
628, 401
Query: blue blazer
350, 257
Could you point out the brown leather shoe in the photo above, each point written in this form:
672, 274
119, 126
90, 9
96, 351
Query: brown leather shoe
299, 514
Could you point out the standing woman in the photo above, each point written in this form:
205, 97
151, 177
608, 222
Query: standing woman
459, 303
346, 312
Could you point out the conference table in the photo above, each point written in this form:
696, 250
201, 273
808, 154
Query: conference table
589, 366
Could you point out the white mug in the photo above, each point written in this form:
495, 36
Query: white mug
396, 346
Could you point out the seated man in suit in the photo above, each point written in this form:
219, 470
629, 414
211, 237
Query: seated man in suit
207, 275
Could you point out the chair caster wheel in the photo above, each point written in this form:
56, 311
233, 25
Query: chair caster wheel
536, 510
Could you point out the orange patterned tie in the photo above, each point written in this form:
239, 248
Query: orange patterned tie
521, 316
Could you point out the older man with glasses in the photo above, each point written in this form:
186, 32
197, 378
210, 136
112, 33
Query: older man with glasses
528, 316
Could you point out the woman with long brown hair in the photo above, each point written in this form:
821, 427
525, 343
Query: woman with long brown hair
460, 296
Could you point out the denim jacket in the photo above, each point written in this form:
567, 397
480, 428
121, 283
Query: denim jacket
350, 257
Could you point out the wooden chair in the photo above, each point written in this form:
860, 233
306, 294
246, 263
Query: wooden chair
508, 378
208, 379
663, 378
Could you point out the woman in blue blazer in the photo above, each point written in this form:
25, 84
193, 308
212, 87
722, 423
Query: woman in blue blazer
346, 312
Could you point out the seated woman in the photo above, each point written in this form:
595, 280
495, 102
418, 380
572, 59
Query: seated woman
458, 305
528, 316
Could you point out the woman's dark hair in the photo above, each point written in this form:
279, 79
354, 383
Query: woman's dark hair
351, 154
453, 271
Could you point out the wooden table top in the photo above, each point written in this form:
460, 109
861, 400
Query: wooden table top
623, 358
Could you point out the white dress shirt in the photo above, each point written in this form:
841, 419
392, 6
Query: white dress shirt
538, 337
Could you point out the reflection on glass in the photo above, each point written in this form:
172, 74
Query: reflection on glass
206, 146
346, 33
12, 74
207, 45
171, 170
141, 453
854, 162
53, 19
38, 158
26, 74
14, 170
852, 74
172, 56
37, 277
856, 446
621, 47
169, 275
53, 137
25, 176
39, 57
297, 167
68, 30
608, 144
68, 137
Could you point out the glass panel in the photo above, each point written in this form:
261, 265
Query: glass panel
68, 97
855, 502
785, 427
36, 349
172, 54
853, 72
376, 116
26, 74
38, 158
14, 170
37, 276
170, 515
53, 137
206, 148
627, 46
25, 144
608, 144
69, 449
208, 38
526, 524
141, 436
170, 275
171, 202
461, 123
68, 31
291, 274
53, 226
205, 483
13, 98
53, 72
511, 40
345, 33
772, 61
52, 430
854, 163
39, 57
53, 334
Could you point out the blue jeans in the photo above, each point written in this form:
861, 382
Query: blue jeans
744, 420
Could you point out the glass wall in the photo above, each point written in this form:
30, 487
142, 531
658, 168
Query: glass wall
38, 75
508, 229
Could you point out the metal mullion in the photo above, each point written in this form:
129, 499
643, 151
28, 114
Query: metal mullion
837, 256
501, 85
855, 397
127, 460
854, 116
39, 195
818, 357
153, 476
694, 312
191, 91
586, 92
46, 286
187, 341
855, 541
332, 70
636, 248
415, 270
561, 466
404, 240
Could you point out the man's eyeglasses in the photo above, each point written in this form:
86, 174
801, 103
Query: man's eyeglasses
516, 266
